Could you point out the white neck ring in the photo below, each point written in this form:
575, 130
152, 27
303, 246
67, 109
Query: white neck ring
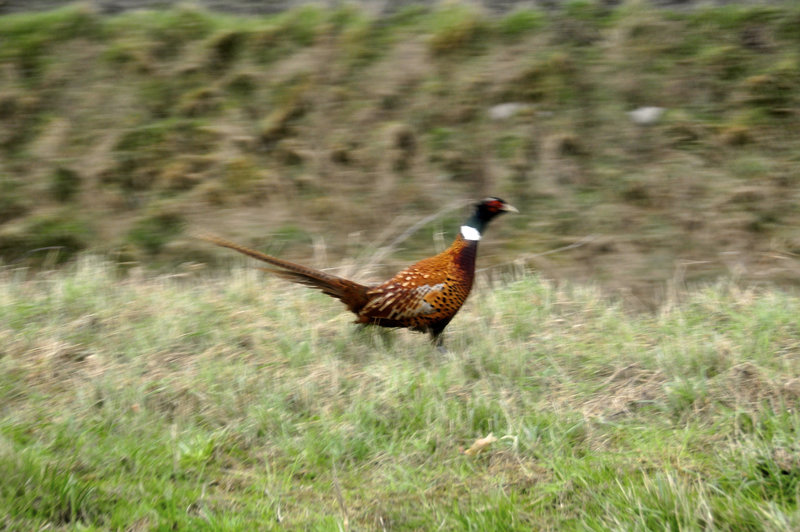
470, 233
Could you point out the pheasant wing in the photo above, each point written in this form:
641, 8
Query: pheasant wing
409, 298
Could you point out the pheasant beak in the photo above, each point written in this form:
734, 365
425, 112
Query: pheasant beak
509, 208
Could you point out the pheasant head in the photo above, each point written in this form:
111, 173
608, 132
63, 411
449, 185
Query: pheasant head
485, 210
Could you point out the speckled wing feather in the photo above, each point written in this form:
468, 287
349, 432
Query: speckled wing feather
428, 292
404, 304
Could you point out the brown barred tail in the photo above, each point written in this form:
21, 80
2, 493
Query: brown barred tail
352, 294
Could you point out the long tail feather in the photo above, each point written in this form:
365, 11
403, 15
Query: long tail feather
352, 294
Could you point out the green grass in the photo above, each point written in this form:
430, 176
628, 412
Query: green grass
232, 401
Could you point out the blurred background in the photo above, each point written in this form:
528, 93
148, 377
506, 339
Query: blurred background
645, 143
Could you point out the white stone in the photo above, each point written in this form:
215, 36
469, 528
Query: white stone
505, 111
645, 116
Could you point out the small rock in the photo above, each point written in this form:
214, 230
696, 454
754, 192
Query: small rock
645, 116
505, 111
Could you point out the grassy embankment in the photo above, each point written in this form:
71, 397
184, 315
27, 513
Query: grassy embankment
120, 135
224, 401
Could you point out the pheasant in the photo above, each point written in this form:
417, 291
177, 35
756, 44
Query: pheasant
424, 297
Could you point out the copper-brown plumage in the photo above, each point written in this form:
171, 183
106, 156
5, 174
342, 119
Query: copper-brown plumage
423, 297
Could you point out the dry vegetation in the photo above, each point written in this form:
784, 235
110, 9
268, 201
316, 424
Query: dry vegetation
123, 134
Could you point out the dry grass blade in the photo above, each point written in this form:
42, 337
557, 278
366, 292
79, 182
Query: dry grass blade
480, 445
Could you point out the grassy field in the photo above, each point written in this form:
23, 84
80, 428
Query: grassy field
227, 401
